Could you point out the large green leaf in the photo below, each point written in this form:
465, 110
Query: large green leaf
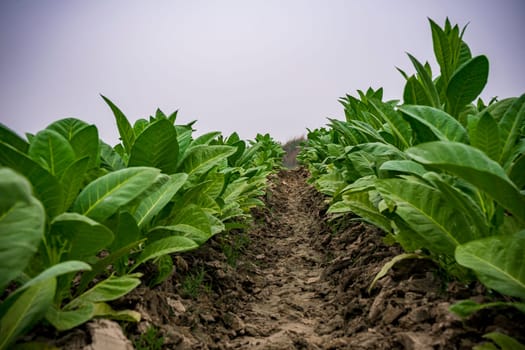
400, 128
485, 136
46, 186
427, 212
51, 272
52, 151
157, 147
169, 245
82, 137
150, 205
474, 166
67, 127
124, 127
466, 83
498, 261
510, 125
82, 236
203, 157
360, 204
85, 143
440, 123
103, 197
414, 92
402, 166
477, 224
22, 220
11, 138
466, 308
73, 180
190, 221
66, 319
111, 288
55, 271
29, 308
426, 81
504, 342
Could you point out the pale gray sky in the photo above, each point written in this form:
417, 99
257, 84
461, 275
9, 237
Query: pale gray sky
252, 66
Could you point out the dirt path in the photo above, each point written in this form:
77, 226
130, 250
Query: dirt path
289, 311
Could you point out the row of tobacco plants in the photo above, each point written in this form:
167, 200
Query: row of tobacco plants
440, 174
78, 217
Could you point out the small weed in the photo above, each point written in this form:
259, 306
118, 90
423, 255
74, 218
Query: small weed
232, 245
193, 284
150, 340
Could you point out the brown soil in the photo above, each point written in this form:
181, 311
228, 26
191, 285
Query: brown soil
300, 282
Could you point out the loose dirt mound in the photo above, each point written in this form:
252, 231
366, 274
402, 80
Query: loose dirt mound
300, 282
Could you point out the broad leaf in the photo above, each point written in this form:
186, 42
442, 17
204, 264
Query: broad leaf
414, 93
29, 308
498, 261
402, 166
427, 212
22, 220
474, 166
202, 158
466, 83
67, 127
103, 197
169, 245
360, 204
400, 128
504, 341
510, 125
485, 136
466, 308
11, 138
157, 147
52, 151
82, 236
85, 143
151, 205
109, 289
73, 179
63, 320
45, 185
440, 123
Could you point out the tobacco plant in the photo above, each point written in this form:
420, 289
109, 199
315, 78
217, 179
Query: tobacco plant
80, 217
440, 174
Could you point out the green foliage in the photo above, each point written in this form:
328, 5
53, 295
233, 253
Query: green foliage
193, 283
442, 176
98, 213
497, 261
149, 340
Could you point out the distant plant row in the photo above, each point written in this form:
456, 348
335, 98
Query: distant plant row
79, 218
442, 175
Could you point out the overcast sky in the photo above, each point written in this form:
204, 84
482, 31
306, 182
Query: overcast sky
252, 66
